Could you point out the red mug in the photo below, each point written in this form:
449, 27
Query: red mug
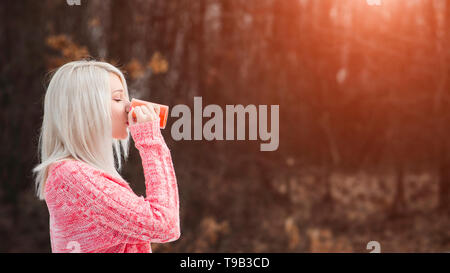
163, 111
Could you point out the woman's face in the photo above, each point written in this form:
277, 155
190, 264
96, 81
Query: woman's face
120, 106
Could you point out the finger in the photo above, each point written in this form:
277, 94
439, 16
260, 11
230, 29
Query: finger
147, 112
140, 116
130, 117
151, 111
157, 109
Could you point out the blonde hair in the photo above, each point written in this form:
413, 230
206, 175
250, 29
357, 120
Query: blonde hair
77, 120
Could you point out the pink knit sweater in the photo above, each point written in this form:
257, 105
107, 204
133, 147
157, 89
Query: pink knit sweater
91, 211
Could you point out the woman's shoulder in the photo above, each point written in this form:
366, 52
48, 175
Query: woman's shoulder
79, 172
70, 170
59, 173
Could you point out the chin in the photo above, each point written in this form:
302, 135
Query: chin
122, 136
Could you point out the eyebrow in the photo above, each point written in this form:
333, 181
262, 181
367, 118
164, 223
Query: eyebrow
120, 90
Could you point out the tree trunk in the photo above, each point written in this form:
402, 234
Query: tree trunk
444, 182
399, 204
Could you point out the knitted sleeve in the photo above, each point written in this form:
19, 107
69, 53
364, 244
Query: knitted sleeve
113, 211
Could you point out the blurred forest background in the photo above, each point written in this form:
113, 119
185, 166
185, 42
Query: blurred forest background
364, 94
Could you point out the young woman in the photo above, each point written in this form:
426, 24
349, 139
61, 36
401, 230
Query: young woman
86, 121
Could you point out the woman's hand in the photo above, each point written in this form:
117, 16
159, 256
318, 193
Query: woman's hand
144, 113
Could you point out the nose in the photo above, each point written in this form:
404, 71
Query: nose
128, 107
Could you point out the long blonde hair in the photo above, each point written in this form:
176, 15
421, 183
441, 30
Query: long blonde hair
77, 120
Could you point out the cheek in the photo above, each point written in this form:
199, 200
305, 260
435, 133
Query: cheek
116, 110
116, 115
